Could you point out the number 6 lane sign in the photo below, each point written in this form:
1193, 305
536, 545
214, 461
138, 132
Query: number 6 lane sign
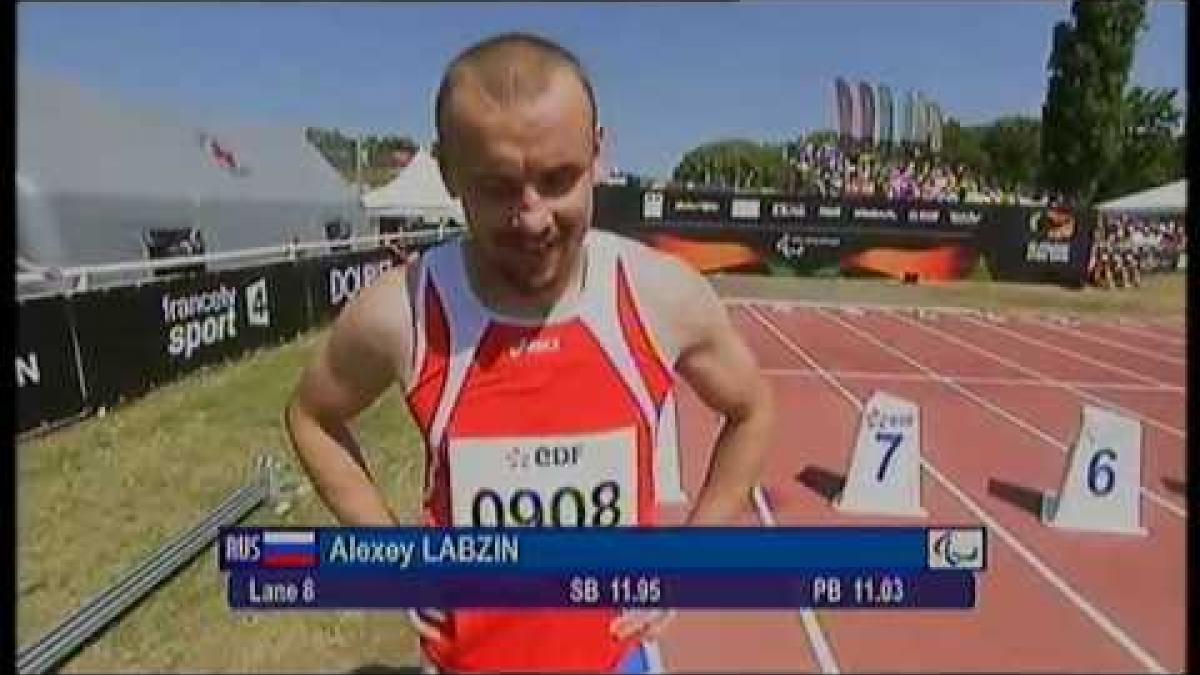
1101, 489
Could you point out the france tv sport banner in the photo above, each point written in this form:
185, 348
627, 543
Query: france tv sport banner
885, 114
133, 338
844, 100
866, 98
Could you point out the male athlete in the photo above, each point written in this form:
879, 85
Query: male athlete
532, 331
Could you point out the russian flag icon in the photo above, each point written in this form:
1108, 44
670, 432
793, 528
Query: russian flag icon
289, 549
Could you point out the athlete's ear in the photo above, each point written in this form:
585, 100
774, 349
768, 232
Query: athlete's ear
598, 152
445, 166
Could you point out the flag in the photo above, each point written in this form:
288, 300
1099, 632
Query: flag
845, 107
935, 131
289, 549
866, 98
906, 119
920, 128
886, 114
222, 156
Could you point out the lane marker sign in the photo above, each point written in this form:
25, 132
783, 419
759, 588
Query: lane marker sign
884, 477
1101, 489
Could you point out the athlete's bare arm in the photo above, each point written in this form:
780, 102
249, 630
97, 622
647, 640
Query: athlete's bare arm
715, 361
365, 352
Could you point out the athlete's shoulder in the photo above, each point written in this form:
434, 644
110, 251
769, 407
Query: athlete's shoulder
676, 302
651, 270
379, 319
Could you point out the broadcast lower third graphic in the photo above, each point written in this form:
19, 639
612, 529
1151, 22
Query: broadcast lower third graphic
957, 548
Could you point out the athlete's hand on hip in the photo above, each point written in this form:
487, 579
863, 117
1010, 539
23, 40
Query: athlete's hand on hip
428, 622
645, 624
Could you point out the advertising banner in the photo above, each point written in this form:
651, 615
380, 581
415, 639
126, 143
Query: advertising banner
48, 381
798, 235
332, 281
134, 338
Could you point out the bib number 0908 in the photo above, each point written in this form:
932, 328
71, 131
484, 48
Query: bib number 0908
566, 507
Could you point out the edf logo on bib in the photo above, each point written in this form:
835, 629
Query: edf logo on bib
544, 456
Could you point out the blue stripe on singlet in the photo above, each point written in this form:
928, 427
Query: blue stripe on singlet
635, 662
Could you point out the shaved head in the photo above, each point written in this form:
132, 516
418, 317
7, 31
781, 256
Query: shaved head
507, 70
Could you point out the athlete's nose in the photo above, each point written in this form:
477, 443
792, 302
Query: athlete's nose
531, 214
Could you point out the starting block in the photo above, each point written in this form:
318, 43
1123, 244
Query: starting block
927, 315
1101, 490
666, 457
884, 477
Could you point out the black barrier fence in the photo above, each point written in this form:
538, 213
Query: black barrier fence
794, 234
330, 282
96, 348
49, 387
135, 338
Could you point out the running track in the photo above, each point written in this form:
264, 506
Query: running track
1001, 402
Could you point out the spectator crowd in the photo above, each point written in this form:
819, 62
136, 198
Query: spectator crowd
909, 174
1124, 247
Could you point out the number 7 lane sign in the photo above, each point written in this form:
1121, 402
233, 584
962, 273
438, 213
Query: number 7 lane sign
884, 477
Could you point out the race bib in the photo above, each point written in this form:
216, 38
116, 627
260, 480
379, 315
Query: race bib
581, 480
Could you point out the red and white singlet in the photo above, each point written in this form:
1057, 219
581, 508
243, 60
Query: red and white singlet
548, 423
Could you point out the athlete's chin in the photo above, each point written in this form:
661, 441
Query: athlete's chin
533, 282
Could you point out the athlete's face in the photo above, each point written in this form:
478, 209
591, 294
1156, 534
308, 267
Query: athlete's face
524, 173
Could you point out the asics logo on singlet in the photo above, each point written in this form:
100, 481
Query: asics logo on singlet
533, 346
543, 456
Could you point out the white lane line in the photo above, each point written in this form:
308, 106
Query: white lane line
988, 405
1170, 429
975, 379
1144, 335
1098, 617
808, 304
1075, 355
1039, 375
1142, 352
812, 627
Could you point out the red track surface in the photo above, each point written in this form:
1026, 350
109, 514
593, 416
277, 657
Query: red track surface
1023, 621
1145, 359
1167, 341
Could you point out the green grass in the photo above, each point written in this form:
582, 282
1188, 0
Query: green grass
97, 498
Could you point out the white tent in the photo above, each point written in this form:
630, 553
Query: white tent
1169, 198
97, 174
417, 192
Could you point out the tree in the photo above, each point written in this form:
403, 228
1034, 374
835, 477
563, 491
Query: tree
734, 163
1082, 116
964, 145
1013, 148
823, 137
338, 149
1150, 152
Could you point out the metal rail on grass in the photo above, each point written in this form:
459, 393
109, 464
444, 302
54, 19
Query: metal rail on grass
89, 620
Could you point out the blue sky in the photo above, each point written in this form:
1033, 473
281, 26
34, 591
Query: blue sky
668, 76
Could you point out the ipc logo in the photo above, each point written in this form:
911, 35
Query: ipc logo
956, 548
